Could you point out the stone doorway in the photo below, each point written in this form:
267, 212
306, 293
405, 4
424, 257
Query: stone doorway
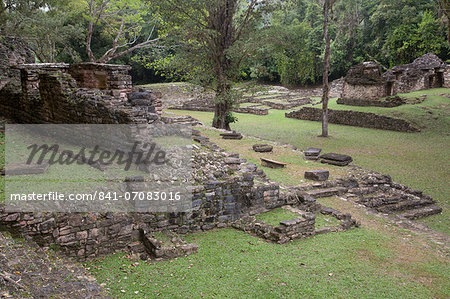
439, 80
389, 88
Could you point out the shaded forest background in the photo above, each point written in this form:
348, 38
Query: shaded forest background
286, 44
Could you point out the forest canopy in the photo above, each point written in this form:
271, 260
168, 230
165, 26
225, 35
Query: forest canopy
283, 44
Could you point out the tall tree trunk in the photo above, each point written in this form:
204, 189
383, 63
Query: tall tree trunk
89, 41
326, 67
221, 21
222, 108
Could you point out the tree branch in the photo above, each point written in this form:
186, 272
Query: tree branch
129, 50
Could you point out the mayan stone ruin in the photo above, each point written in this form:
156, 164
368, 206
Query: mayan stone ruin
224, 149
366, 83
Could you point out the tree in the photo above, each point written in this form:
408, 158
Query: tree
327, 5
210, 38
53, 31
409, 42
122, 22
14, 14
288, 44
444, 10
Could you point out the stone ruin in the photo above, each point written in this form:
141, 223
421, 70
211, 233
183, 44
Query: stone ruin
228, 191
78, 93
355, 118
365, 83
426, 72
63, 93
227, 187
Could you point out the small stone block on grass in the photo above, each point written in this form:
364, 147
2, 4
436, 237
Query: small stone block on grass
232, 135
312, 151
201, 139
272, 163
262, 148
24, 168
336, 159
317, 175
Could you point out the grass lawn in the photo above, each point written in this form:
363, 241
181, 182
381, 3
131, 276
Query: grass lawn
415, 159
378, 260
275, 216
326, 221
360, 263
2, 164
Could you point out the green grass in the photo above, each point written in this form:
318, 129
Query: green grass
244, 105
2, 165
415, 159
323, 221
276, 215
166, 85
233, 264
292, 174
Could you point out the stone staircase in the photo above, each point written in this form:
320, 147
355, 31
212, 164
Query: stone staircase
403, 204
181, 120
378, 193
29, 271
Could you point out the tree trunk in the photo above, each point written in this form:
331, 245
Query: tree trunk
222, 108
220, 116
326, 66
221, 21
88, 43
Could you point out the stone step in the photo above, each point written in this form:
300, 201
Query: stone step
421, 212
404, 205
319, 193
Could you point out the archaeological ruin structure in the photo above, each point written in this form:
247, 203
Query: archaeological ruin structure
365, 82
226, 187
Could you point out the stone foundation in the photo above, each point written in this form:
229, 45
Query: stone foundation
292, 229
365, 82
388, 102
354, 118
251, 110
49, 94
288, 230
170, 248
87, 235
101, 76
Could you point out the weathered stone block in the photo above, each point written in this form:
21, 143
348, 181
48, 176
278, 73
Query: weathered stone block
317, 175
272, 163
262, 148
24, 169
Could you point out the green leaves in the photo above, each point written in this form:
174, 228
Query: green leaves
408, 42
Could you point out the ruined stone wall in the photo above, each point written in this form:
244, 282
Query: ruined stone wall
354, 118
101, 76
447, 77
404, 82
367, 92
365, 81
87, 235
49, 94
12, 51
